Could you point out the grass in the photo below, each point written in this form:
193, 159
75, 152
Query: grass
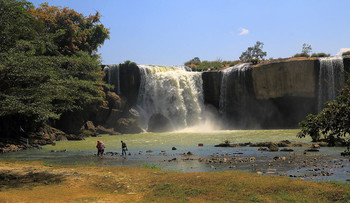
125, 184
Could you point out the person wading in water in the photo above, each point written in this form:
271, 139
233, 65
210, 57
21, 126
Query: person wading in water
124, 149
100, 148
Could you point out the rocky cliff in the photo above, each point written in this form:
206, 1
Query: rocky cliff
295, 78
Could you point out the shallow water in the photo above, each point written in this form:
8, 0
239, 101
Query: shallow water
156, 148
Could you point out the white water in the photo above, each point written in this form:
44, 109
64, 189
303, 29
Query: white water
173, 92
113, 73
236, 72
331, 79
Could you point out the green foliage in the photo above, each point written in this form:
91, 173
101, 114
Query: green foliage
254, 52
44, 72
346, 53
151, 167
302, 55
320, 55
197, 65
304, 51
71, 31
306, 48
333, 122
15, 23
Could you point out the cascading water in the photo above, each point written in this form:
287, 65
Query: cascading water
331, 79
235, 95
173, 92
113, 73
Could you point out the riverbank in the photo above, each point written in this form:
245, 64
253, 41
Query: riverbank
35, 181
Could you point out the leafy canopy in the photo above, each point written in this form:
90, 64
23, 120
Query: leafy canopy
48, 64
253, 54
71, 31
332, 122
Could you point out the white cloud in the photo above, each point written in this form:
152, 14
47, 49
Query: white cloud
243, 31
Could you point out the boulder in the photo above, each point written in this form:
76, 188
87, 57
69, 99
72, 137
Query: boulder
102, 130
102, 115
89, 125
114, 101
127, 126
273, 147
159, 123
114, 116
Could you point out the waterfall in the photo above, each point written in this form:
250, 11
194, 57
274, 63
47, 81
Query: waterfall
113, 72
235, 94
173, 92
331, 79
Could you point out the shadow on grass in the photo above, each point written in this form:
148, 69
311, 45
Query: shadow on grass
13, 180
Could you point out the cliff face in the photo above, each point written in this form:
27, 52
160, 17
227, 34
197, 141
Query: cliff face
291, 78
211, 88
275, 95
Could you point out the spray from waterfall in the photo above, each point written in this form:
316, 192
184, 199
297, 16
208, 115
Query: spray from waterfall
331, 79
173, 92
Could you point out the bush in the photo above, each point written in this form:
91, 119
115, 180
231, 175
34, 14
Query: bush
302, 55
346, 53
253, 61
320, 55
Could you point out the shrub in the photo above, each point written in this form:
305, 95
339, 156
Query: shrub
253, 61
346, 53
302, 55
320, 55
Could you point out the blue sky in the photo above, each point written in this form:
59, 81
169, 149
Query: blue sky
171, 32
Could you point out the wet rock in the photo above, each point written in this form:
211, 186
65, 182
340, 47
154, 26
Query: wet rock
286, 150
262, 149
189, 153
315, 146
173, 148
273, 147
173, 159
312, 150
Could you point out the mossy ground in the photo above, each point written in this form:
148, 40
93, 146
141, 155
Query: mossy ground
35, 182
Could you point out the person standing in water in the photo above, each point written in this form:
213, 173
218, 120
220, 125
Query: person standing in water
100, 148
124, 148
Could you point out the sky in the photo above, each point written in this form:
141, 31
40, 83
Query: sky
171, 32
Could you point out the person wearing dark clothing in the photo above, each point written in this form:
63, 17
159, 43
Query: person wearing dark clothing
124, 148
100, 148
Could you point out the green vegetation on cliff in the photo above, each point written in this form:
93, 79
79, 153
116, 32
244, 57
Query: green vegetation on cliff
48, 64
197, 65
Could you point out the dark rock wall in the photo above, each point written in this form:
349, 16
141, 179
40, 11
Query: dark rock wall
130, 80
211, 88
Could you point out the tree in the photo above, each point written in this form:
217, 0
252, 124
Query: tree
72, 31
333, 122
306, 49
253, 53
52, 70
15, 23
